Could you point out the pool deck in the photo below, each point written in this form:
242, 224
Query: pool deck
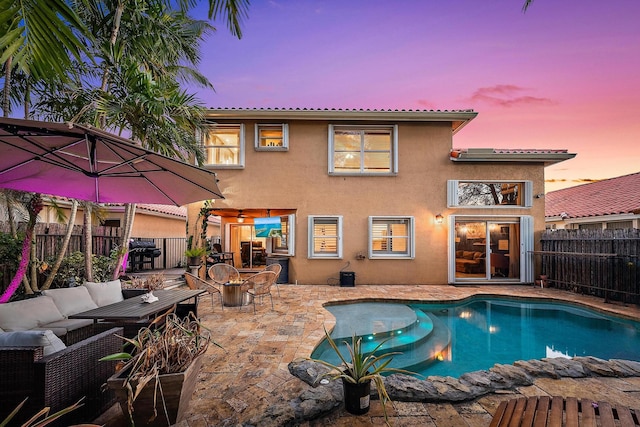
239, 382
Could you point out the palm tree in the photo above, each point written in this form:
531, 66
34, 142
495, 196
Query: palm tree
146, 66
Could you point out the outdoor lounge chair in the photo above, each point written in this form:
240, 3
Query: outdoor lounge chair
259, 285
194, 282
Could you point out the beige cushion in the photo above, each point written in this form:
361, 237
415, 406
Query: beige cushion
105, 293
28, 314
67, 325
46, 339
71, 300
478, 255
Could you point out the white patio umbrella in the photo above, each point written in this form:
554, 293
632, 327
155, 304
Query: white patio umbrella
81, 162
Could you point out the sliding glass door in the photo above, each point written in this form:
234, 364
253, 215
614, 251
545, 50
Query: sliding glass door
490, 249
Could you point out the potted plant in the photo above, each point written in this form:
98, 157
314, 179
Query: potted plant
194, 255
357, 371
161, 370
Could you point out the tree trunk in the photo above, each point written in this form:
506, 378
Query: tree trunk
88, 244
33, 270
7, 87
65, 245
129, 216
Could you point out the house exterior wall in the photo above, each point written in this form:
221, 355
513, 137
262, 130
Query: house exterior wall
298, 179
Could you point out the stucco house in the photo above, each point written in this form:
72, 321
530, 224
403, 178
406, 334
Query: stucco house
608, 204
374, 196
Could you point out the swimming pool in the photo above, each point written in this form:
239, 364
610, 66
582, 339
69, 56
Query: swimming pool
450, 339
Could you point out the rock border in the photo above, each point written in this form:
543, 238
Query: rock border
321, 399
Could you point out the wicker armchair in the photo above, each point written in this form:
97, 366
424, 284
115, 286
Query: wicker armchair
59, 379
259, 285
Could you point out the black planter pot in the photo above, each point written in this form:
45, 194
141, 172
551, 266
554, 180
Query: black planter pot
356, 397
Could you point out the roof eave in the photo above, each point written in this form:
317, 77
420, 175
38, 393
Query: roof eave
546, 158
457, 118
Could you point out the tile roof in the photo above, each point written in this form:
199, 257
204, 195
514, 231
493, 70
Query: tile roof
612, 196
179, 211
370, 110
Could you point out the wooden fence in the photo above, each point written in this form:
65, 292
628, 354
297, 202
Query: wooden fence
602, 263
49, 238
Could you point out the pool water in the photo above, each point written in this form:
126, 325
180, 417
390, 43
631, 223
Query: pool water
451, 339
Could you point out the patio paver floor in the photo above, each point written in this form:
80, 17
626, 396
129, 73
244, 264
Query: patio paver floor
238, 382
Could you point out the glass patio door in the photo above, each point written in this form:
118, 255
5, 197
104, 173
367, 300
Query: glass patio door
249, 251
487, 250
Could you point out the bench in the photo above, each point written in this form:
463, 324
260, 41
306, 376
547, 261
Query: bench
556, 411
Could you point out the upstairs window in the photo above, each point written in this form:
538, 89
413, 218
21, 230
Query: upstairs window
357, 150
224, 146
325, 236
391, 237
490, 193
272, 137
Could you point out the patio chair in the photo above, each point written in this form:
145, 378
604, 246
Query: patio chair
276, 268
194, 282
259, 285
223, 273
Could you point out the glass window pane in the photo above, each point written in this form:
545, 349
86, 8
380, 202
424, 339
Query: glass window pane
270, 136
390, 236
377, 140
347, 161
325, 236
222, 144
377, 162
347, 141
489, 194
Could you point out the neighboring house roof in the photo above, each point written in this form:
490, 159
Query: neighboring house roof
458, 118
179, 211
612, 196
548, 157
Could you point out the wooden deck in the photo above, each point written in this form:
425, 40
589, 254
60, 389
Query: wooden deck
558, 412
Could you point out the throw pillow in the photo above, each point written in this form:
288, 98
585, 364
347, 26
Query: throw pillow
46, 339
28, 314
105, 293
71, 300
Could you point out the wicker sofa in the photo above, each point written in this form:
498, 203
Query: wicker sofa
54, 360
59, 379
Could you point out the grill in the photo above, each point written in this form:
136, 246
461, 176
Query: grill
141, 253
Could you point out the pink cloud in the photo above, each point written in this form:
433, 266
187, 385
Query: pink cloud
507, 96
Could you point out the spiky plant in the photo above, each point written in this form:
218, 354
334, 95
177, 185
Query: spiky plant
360, 367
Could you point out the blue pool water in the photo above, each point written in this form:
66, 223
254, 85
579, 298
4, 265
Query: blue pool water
451, 339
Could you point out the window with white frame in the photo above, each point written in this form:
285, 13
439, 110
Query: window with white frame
224, 145
325, 236
391, 237
486, 193
363, 150
272, 137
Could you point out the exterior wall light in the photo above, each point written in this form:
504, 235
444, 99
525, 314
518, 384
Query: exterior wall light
439, 219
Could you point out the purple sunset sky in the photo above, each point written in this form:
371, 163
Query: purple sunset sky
563, 75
